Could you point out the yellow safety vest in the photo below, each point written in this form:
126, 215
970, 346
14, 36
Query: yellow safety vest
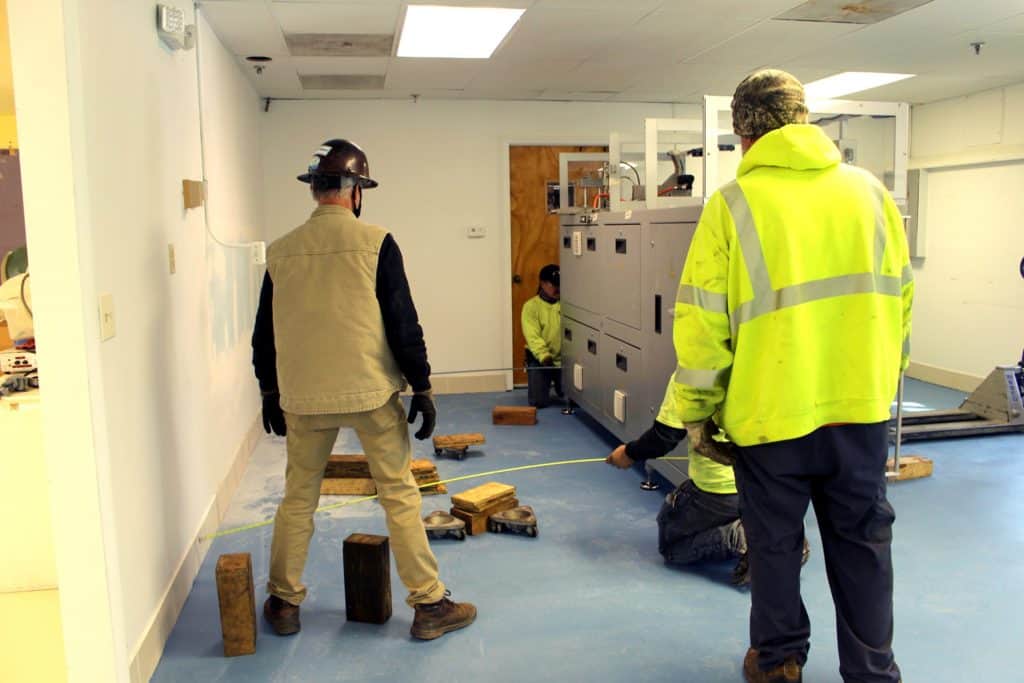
542, 328
794, 305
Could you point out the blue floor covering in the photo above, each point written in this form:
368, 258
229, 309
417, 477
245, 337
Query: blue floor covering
591, 600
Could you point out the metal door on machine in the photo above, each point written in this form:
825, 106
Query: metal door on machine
625, 401
581, 369
668, 245
580, 267
621, 284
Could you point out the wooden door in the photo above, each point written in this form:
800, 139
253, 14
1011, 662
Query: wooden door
534, 229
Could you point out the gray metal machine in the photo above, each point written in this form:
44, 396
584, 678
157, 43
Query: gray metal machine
620, 274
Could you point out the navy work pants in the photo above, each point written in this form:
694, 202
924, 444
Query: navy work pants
841, 471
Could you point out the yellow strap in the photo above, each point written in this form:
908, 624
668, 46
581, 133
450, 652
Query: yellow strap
334, 506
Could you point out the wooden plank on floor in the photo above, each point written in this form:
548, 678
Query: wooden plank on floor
912, 467
514, 415
476, 522
478, 498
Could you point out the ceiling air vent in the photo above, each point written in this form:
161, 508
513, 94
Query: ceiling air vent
342, 82
339, 44
849, 12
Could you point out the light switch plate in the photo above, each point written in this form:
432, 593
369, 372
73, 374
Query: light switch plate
476, 231
107, 326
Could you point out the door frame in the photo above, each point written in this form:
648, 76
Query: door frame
505, 183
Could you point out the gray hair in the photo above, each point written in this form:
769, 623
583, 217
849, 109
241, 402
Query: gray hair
327, 187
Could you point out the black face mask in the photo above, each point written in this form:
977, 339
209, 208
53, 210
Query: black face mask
357, 208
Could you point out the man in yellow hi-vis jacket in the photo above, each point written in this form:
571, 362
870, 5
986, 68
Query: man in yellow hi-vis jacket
791, 328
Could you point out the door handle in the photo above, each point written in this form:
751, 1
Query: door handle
517, 279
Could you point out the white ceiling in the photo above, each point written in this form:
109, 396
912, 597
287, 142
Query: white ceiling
637, 50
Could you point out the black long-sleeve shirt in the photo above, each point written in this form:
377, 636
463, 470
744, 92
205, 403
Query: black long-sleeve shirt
401, 324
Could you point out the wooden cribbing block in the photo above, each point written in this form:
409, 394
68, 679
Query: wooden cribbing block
237, 600
455, 441
367, 560
913, 467
347, 487
514, 415
353, 466
476, 522
479, 498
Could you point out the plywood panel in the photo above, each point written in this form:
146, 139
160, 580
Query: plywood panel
534, 230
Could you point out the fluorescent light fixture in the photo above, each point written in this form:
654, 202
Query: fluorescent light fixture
849, 82
455, 32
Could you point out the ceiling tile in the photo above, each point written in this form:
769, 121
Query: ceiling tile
245, 28
336, 17
365, 66
771, 42
499, 94
405, 73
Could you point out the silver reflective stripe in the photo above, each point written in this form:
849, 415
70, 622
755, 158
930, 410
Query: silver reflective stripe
700, 379
767, 300
906, 346
712, 302
750, 243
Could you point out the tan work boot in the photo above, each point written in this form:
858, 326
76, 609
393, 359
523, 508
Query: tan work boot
437, 618
787, 672
282, 616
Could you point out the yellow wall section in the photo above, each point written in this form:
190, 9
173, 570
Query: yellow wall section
8, 132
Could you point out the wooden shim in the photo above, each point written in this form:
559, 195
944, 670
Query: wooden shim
476, 522
237, 599
347, 487
351, 466
913, 467
455, 441
478, 498
367, 562
514, 415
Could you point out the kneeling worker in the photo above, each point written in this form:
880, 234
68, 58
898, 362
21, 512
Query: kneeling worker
700, 520
542, 327
336, 339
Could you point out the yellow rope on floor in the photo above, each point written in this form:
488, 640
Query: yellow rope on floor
466, 477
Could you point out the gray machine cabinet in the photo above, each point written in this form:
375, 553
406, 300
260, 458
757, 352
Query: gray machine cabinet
618, 302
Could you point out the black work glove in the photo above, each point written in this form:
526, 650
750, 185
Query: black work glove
273, 416
423, 403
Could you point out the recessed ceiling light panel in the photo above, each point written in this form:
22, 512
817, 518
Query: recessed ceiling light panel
455, 32
849, 82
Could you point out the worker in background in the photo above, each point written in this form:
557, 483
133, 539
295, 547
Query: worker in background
791, 328
336, 339
542, 327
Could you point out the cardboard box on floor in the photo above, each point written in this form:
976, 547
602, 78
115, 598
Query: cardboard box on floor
5, 338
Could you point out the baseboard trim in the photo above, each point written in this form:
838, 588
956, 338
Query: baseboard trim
150, 647
469, 384
953, 379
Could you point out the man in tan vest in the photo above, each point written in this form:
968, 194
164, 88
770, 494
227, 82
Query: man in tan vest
336, 339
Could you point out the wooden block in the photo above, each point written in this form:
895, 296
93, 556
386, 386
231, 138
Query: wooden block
352, 466
455, 441
347, 486
478, 498
367, 561
237, 600
476, 522
514, 415
913, 467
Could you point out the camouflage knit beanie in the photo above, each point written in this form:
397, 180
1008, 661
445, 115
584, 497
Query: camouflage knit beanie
766, 100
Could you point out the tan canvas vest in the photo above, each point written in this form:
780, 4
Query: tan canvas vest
332, 352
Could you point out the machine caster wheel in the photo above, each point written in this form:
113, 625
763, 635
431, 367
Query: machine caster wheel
460, 535
649, 485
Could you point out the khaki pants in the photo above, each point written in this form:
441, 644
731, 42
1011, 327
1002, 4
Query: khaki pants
385, 439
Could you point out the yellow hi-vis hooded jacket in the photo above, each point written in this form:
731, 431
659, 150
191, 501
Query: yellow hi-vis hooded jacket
794, 307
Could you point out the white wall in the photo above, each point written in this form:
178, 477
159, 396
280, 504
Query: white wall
172, 392
969, 308
441, 166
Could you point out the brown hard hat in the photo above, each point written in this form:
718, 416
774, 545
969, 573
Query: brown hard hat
337, 158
